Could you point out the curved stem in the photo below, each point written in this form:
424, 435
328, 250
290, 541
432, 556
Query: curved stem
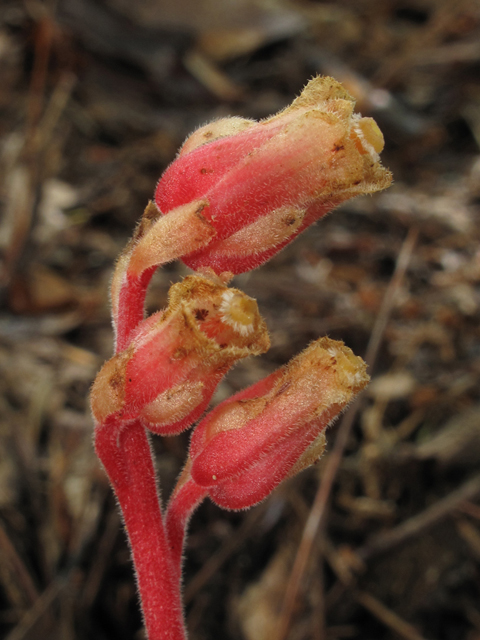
131, 307
165, 238
126, 455
185, 499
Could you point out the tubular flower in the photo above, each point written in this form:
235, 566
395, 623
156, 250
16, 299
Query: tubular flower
176, 358
246, 446
259, 184
240, 190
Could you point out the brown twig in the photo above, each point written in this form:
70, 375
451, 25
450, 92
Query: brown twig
43, 40
388, 301
471, 509
387, 616
319, 622
23, 577
413, 526
317, 512
41, 606
471, 535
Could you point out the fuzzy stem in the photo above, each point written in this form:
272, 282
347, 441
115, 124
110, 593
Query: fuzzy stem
131, 308
126, 455
185, 499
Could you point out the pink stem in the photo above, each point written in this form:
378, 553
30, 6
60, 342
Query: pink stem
126, 455
184, 501
131, 307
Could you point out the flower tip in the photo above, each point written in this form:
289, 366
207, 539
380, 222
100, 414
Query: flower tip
320, 89
350, 371
227, 317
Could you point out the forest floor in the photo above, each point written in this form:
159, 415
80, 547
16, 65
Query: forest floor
95, 99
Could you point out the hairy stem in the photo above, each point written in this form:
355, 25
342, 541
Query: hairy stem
126, 455
185, 499
131, 307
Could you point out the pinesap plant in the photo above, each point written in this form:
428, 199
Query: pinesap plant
236, 194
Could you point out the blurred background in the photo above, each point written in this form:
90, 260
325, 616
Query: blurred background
95, 98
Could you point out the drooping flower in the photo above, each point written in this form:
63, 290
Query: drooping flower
177, 357
261, 184
251, 442
240, 190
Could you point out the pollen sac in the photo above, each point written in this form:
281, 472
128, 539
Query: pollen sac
176, 358
260, 184
248, 444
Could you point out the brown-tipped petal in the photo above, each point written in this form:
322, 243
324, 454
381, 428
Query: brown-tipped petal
226, 315
107, 395
184, 230
319, 90
263, 234
310, 456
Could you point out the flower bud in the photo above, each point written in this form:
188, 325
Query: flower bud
246, 446
240, 190
176, 357
261, 184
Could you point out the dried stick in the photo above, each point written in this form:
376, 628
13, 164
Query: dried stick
40, 607
413, 526
317, 512
18, 568
387, 616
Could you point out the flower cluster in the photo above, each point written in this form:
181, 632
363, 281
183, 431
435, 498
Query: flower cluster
236, 194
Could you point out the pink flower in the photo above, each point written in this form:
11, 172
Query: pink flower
251, 442
177, 357
240, 190
259, 184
